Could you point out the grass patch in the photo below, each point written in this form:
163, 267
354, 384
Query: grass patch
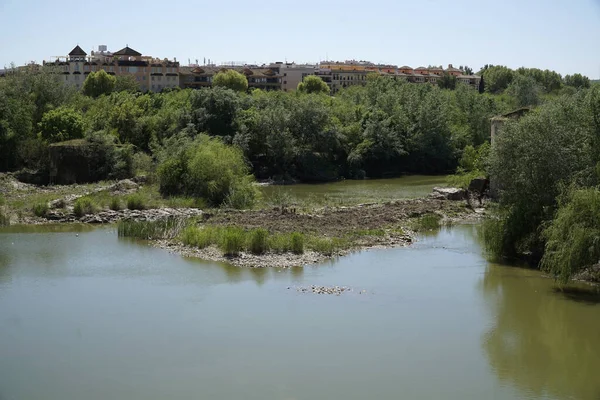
136, 202
232, 241
369, 232
83, 206
40, 209
427, 222
115, 204
258, 241
297, 243
167, 228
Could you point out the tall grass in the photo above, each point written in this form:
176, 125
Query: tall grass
167, 228
258, 241
297, 243
232, 241
4, 215
40, 209
83, 206
427, 222
136, 202
115, 204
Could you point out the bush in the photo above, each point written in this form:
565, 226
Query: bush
209, 169
573, 237
232, 241
84, 206
136, 202
297, 243
258, 241
115, 204
40, 209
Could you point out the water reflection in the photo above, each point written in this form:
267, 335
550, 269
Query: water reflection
542, 340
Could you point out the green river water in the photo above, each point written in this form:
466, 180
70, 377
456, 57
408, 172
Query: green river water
86, 315
360, 191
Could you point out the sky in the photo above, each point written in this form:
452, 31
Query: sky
561, 35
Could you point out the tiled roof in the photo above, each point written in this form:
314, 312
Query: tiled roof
77, 51
127, 51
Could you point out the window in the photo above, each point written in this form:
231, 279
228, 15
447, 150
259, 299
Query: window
133, 70
285, 82
143, 78
76, 67
152, 79
285, 74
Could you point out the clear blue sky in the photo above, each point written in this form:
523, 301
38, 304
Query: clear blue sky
563, 35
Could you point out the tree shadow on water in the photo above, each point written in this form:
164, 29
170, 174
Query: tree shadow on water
590, 296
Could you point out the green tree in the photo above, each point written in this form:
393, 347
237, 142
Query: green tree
497, 78
126, 83
231, 79
61, 124
99, 83
313, 84
525, 90
577, 81
447, 81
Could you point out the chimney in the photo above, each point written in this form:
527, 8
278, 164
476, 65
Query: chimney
450, 66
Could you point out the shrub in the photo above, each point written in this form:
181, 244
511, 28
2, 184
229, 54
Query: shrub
258, 241
84, 206
40, 209
136, 202
115, 204
232, 241
209, 169
297, 243
573, 237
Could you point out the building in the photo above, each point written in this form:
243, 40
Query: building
151, 74
349, 73
292, 74
264, 78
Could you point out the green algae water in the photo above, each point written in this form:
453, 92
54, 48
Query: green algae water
359, 191
86, 315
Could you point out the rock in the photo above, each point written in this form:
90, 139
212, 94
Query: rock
123, 186
479, 185
449, 193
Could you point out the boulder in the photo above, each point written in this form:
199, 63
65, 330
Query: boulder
479, 185
449, 193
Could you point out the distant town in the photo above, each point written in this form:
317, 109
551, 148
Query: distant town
155, 74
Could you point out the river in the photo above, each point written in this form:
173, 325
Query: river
86, 315
359, 191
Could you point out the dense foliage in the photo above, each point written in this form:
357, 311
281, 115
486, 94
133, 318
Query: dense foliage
536, 161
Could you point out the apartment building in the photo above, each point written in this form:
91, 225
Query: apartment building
292, 74
263, 78
152, 74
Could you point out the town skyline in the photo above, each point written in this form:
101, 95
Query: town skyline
561, 37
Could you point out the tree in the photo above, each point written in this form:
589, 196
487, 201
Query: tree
99, 83
61, 124
468, 70
577, 81
525, 90
497, 78
313, 84
231, 79
126, 83
447, 81
481, 85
